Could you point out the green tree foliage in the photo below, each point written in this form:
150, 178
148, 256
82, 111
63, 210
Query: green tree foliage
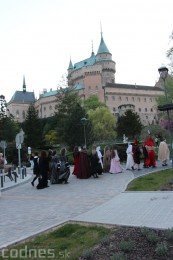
93, 102
103, 123
32, 128
129, 124
3, 115
169, 52
155, 130
11, 128
52, 137
68, 116
161, 100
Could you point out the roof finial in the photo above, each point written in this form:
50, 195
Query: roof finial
92, 53
101, 30
24, 85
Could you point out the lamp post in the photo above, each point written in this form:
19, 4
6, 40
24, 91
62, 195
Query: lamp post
83, 120
163, 71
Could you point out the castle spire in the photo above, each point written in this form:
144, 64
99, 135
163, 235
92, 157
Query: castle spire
24, 85
92, 53
102, 48
70, 67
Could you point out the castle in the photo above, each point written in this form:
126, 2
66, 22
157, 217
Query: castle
94, 76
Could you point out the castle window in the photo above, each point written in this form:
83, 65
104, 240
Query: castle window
146, 117
133, 99
114, 109
44, 108
126, 98
119, 98
151, 99
17, 114
89, 87
113, 97
139, 99
145, 109
151, 109
96, 87
50, 107
139, 109
145, 100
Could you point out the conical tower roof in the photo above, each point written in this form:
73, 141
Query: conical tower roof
102, 48
70, 67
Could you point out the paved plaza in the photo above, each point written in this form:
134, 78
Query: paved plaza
26, 211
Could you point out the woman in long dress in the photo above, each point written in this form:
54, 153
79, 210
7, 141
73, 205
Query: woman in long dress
100, 163
106, 159
94, 162
130, 160
163, 152
115, 162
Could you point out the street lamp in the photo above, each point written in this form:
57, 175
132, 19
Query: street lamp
163, 71
83, 120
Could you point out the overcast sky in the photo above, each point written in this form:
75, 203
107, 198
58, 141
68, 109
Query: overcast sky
38, 37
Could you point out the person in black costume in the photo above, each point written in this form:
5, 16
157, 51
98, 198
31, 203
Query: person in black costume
43, 170
35, 168
94, 163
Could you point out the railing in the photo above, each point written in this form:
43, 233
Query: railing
12, 173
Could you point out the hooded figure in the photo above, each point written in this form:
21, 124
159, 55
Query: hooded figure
163, 152
130, 161
150, 146
100, 160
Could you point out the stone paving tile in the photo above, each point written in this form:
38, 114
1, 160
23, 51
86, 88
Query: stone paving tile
26, 211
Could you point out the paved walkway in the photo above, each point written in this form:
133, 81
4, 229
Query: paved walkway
26, 211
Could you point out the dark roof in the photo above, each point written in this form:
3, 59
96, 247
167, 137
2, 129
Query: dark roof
128, 86
21, 96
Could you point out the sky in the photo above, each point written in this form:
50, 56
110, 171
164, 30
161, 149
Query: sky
38, 38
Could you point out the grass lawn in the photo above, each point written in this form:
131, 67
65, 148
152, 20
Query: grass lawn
67, 242
151, 182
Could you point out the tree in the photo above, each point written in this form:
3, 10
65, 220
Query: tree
103, 123
3, 115
93, 102
169, 52
68, 116
129, 124
11, 128
32, 128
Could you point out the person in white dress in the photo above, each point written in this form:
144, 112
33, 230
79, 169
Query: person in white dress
130, 160
116, 166
99, 154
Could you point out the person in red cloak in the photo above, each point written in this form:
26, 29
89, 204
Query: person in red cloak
150, 146
84, 164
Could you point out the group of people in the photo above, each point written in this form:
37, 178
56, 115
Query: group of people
148, 149
47, 166
94, 164
97, 162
